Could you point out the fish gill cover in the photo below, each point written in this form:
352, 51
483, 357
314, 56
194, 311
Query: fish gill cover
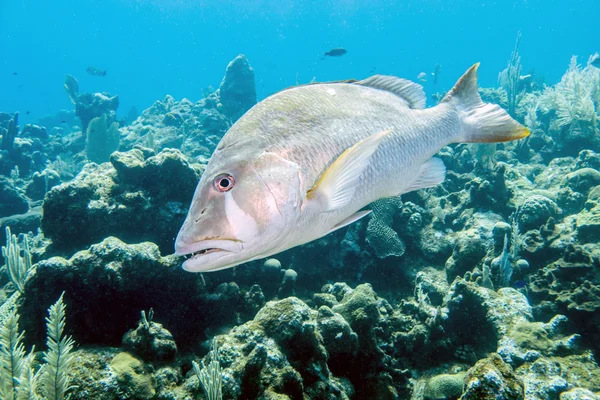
483, 283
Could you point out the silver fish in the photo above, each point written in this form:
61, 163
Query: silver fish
304, 162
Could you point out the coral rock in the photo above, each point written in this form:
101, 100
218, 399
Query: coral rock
151, 342
588, 225
583, 179
444, 386
11, 201
238, 90
491, 379
535, 211
133, 379
135, 199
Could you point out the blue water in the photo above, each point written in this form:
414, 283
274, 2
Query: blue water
178, 47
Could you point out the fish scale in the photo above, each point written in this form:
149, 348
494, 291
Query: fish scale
360, 115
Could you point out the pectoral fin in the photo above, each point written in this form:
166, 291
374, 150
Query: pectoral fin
432, 173
338, 183
353, 218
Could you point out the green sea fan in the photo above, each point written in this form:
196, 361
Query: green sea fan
102, 140
59, 356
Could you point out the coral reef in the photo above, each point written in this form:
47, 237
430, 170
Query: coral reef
492, 378
150, 191
194, 128
94, 105
484, 286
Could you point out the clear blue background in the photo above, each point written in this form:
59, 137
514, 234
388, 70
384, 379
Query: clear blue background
178, 47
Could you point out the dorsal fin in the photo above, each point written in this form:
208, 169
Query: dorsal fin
411, 92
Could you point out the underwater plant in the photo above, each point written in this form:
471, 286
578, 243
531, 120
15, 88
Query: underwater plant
575, 99
18, 376
503, 264
59, 356
10, 133
18, 267
12, 356
210, 375
509, 78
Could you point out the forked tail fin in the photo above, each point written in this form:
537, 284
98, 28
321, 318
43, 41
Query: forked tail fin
483, 122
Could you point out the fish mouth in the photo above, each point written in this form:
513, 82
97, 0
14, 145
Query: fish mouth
201, 254
197, 254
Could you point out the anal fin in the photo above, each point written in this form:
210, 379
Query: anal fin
353, 218
337, 184
432, 173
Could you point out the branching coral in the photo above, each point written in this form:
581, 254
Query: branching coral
509, 78
575, 99
18, 376
17, 266
12, 357
10, 133
210, 375
59, 356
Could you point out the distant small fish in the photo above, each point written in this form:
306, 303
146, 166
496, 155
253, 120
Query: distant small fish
337, 52
422, 77
95, 71
15, 73
27, 112
526, 78
372, 70
63, 122
595, 60
526, 82
519, 284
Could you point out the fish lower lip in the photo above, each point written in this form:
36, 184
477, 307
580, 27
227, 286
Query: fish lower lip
203, 247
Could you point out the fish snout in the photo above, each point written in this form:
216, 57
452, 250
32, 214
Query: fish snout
201, 234
185, 238
201, 223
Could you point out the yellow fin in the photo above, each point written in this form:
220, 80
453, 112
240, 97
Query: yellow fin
338, 183
483, 122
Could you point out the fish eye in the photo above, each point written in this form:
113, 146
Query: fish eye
224, 182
